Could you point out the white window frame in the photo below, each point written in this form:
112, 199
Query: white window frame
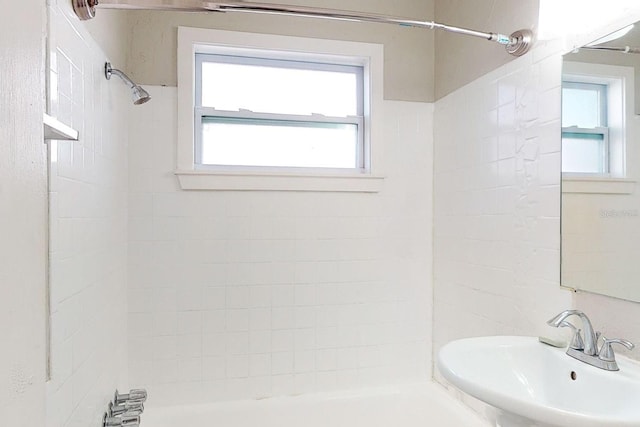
366, 55
620, 118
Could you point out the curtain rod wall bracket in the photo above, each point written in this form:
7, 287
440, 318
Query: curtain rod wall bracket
520, 43
516, 44
85, 9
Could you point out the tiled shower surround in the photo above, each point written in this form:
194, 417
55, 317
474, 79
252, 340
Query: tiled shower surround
497, 205
497, 192
88, 228
257, 294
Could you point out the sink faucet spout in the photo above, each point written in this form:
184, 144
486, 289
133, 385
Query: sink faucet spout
590, 338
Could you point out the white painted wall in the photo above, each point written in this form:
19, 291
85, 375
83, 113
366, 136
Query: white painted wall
256, 294
409, 52
460, 60
88, 223
22, 215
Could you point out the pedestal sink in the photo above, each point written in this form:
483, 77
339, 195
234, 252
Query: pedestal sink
533, 384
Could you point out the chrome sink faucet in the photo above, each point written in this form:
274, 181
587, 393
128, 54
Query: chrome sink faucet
590, 337
586, 350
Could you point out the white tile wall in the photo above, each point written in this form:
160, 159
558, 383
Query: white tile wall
88, 226
497, 204
255, 294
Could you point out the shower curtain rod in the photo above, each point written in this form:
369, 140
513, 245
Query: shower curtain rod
517, 44
621, 49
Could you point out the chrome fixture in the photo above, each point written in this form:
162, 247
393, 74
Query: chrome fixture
135, 395
596, 45
122, 421
619, 49
606, 352
590, 345
125, 410
139, 95
517, 44
128, 407
85, 9
587, 350
576, 341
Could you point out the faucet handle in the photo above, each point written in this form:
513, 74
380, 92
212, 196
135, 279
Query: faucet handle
134, 395
606, 352
123, 421
130, 407
576, 341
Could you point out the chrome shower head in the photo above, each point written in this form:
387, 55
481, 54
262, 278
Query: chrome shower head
138, 94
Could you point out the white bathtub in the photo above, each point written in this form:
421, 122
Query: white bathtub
407, 406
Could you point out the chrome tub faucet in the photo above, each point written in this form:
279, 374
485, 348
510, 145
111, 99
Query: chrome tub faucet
135, 395
125, 410
122, 421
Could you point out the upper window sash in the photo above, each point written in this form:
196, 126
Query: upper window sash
357, 71
600, 89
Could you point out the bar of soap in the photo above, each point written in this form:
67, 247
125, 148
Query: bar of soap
552, 342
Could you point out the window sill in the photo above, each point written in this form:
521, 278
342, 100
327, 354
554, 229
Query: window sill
266, 181
598, 185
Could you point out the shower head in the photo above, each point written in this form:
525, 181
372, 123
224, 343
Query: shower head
138, 94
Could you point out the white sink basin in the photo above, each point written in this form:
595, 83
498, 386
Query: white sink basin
522, 377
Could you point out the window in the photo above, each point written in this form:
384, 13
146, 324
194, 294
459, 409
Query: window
597, 105
265, 112
270, 112
585, 132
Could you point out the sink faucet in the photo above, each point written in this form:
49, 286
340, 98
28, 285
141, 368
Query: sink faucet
590, 337
587, 350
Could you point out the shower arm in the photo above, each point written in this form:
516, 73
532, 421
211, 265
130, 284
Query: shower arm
517, 44
108, 72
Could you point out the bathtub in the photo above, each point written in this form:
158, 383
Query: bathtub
407, 406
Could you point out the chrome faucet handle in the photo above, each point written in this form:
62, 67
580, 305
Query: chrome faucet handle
130, 407
135, 395
576, 341
606, 352
122, 421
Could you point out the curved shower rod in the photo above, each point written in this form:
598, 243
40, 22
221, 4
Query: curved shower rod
517, 44
620, 49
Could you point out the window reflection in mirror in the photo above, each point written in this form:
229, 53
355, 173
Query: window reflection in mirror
585, 135
600, 165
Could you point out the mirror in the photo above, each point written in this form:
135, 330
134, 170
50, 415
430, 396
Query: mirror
600, 165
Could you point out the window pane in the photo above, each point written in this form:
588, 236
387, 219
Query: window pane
583, 105
278, 143
279, 90
583, 153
